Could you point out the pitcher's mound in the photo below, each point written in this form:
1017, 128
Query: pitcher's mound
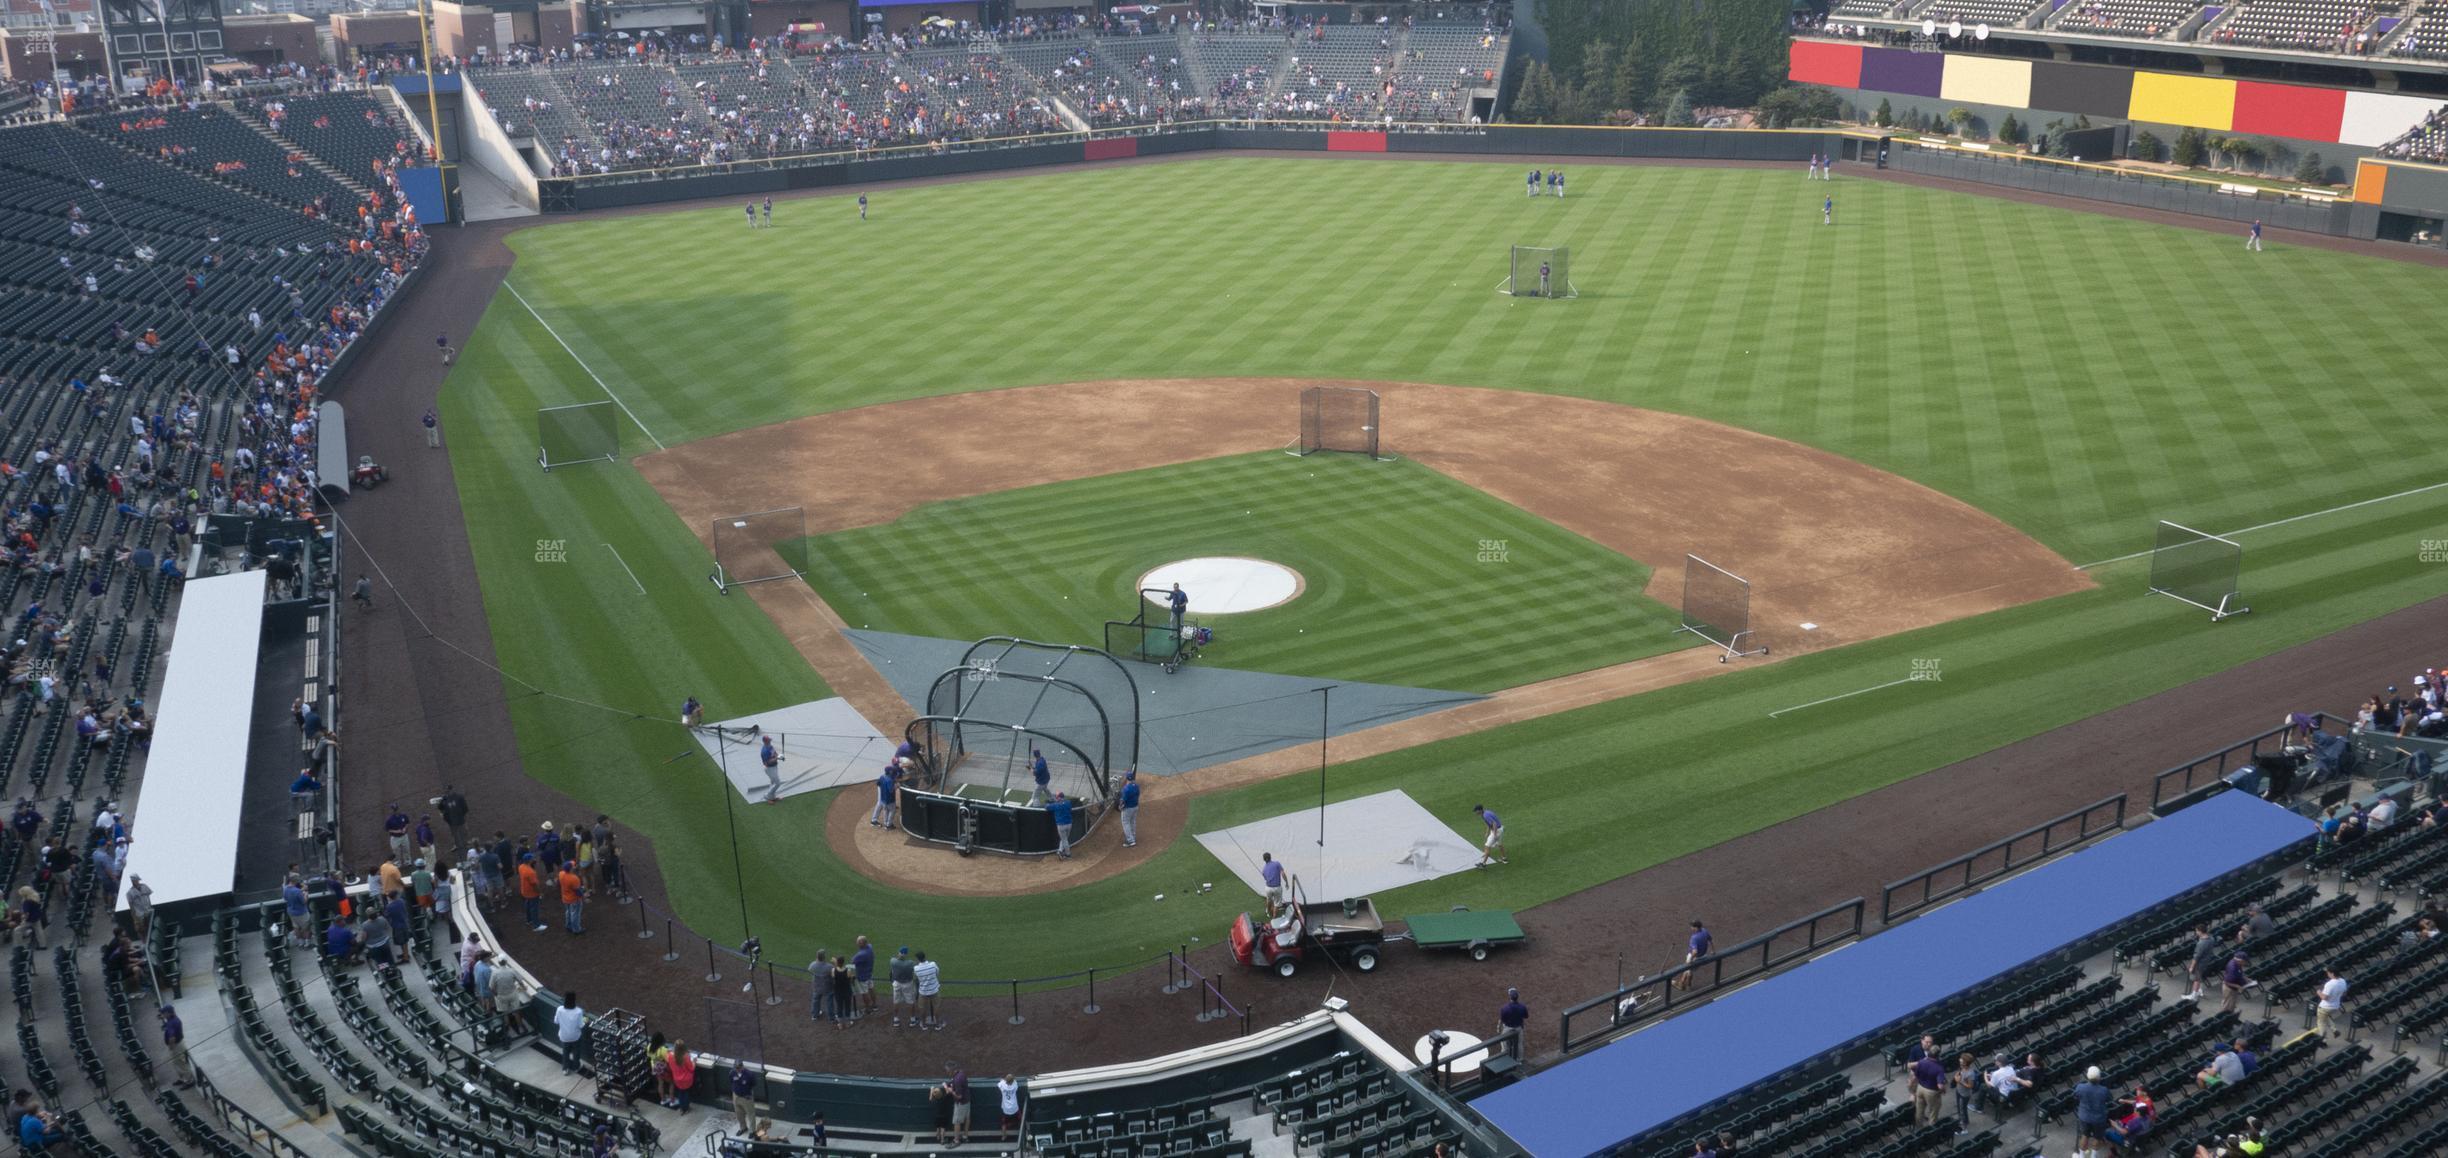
1224, 584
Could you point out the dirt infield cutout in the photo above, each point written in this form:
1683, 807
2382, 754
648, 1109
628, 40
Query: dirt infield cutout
1856, 551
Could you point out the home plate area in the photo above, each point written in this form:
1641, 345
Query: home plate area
1372, 844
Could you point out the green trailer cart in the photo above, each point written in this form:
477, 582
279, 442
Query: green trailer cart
1476, 933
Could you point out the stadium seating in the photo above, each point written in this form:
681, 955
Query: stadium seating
353, 131
2147, 19
1972, 13
2312, 25
2424, 35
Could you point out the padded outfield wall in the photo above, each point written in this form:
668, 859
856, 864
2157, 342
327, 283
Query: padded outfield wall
2340, 124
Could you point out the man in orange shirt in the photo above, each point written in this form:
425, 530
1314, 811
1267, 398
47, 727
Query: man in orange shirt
531, 890
573, 899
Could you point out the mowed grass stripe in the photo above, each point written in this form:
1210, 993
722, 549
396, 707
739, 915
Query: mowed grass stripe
1398, 590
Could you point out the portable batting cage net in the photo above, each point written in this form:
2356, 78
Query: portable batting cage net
1539, 272
585, 432
1717, 608
2199, 568
987, 721
759, 548
1149, 635
1338, 418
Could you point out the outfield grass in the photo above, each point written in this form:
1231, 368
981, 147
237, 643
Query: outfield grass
2078, 376
1397, 588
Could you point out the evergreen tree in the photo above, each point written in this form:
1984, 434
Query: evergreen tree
1885, 116
2191, 151
1679, 110
1537, 99
2010, 130
1631, 90
2310, 171
1597, 88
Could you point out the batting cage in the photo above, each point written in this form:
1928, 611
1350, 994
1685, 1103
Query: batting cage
1149, 635
1717, 607
759, 547
1539, 272
2199, 568
1338, 418
586, 432
989, 720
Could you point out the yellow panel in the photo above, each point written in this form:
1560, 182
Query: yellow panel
1987, 80
2204, 102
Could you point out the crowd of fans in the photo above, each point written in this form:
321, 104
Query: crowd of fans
652, 102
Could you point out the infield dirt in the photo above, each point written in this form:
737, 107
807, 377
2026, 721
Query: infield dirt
1854, 551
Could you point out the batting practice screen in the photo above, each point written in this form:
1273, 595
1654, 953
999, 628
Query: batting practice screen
1540, 273
2199, 568
586, 432
1717, 607
760, 547
1342, 418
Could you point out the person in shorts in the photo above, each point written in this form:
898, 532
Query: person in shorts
957, 1091
1492, 848
1271, 871
903, 972
930, 986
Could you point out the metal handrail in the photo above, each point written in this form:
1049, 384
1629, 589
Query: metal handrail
1631, 1003
2162, 796
1972, 872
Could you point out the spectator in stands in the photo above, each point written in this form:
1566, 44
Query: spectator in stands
2005, 1082
1928, 1081
37, 919
2140, 1114
1007, 1092
174, 1040
2332, 1000
374, 933
510, 998
293, 904
340, 942
140, 905
1512, 1017
37, 1130
569, 1028
2383, 813
2257, 925
2225, 1069
2091, 1104
683, 1074
2233, 982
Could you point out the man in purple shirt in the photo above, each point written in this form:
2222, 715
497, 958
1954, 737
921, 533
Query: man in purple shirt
1270, 871
1492, 848
1928, 1090
1512, 1016
1699, 947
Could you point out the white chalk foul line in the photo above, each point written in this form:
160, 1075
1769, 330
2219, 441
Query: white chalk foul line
616, 557
1846, 696
590, 371
2289, 519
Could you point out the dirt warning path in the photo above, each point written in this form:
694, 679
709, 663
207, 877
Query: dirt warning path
1854, 551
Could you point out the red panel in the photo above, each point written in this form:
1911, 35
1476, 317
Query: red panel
1820, 62
2289, 110
1355, 142
1108, 148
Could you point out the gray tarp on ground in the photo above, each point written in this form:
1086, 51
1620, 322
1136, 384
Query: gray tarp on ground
1197, 716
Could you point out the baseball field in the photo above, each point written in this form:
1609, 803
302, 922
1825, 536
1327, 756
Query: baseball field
2029, 388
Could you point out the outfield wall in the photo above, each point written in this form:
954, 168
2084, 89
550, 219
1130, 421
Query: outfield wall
2313, 115
2419, 191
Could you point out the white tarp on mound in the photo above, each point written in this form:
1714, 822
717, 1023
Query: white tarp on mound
823, 744
1373, 844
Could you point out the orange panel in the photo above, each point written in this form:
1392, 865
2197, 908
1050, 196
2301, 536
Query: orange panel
2371, 181
1822, 62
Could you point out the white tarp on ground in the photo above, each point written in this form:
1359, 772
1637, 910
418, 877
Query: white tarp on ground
1373, 844
184, 818
823, 744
